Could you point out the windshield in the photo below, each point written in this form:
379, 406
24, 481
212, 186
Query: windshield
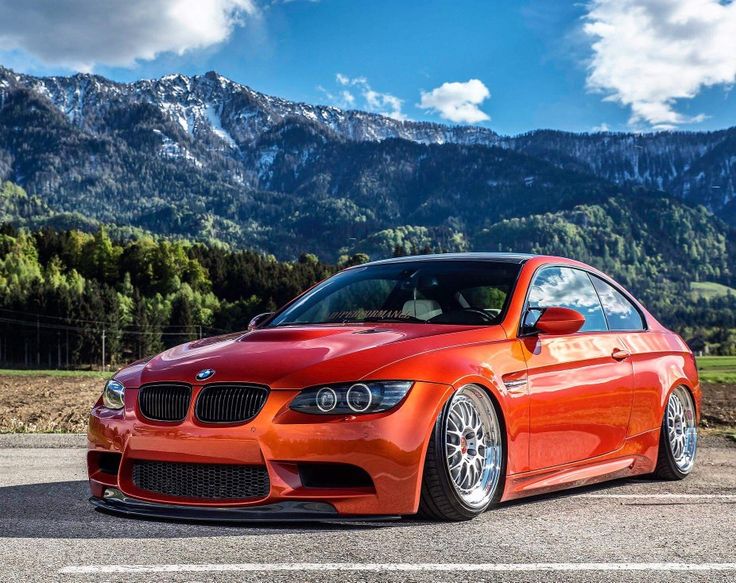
436, 292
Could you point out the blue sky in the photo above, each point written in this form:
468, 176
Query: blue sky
512, 66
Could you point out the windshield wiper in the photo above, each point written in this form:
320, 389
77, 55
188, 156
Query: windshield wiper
408, 319
398, 320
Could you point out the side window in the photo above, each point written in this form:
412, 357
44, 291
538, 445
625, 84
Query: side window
620, 312
568, 288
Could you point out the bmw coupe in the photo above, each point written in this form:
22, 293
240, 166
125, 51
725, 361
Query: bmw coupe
439, 384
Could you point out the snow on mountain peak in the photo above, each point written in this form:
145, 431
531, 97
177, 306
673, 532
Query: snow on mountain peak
234, 113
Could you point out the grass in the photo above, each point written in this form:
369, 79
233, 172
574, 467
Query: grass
56, 373
709, 290
717, 369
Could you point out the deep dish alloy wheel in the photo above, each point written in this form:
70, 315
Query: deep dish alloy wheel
466, 458
681, 430
679, 437
473, 446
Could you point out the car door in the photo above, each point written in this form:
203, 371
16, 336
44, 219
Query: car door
651, 354
580, 385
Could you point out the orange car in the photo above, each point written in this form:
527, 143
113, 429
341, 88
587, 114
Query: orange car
438, 384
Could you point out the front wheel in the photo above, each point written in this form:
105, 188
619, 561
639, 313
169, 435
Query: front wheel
678, 439
466, 458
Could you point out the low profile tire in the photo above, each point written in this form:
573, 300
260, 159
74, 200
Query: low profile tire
466, 459
678, 439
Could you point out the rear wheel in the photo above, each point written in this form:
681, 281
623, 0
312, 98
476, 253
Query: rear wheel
465, 465
678, 439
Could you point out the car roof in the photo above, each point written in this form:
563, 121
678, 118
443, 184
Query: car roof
495, 257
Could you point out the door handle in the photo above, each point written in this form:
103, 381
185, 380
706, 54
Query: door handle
620, 354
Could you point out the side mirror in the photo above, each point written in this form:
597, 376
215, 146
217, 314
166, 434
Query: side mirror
258, 320
559, 321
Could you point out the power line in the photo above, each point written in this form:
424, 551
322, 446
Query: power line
104, 323
64, 318
46, 326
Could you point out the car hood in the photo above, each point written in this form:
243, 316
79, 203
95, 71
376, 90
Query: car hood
294, 357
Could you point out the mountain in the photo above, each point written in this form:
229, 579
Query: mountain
231, 118
211, 107
206, 158
699, 167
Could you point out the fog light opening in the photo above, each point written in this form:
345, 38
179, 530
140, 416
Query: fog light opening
333, 475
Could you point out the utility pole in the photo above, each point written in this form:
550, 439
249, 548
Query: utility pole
103, 349
38, 343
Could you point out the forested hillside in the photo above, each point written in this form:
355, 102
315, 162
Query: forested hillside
61, 290
697, 167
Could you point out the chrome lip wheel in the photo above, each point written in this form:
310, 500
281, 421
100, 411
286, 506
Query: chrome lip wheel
681, 430
473, 446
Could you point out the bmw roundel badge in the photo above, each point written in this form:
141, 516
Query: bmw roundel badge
203, 375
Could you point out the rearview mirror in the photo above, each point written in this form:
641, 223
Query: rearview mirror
559, 321
258, 320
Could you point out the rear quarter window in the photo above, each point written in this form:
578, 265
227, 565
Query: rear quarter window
620, 312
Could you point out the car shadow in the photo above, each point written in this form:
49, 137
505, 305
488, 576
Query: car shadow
62, 510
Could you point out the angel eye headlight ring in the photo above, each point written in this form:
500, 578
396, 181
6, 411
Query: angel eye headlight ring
359, 397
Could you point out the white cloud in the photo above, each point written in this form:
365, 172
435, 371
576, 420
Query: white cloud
347, 98
457, 102
647, 54
367, 98
79, 34
604, 127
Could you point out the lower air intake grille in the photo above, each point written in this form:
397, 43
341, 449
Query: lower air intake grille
165, 401
205, 481
230, 403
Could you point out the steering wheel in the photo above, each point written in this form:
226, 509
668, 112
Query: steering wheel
450, 316
481, 313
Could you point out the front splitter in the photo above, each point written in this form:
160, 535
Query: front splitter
290, 511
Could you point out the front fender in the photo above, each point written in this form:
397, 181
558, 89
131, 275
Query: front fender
487, 364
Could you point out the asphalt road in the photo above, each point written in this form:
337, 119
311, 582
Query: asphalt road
634, 530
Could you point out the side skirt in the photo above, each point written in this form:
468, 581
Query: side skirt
637, 456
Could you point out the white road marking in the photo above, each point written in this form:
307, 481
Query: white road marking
662, 496
385, 567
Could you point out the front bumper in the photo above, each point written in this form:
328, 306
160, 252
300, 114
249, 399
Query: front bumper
390, 447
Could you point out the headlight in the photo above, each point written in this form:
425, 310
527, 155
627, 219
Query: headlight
113, 396
351, 398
